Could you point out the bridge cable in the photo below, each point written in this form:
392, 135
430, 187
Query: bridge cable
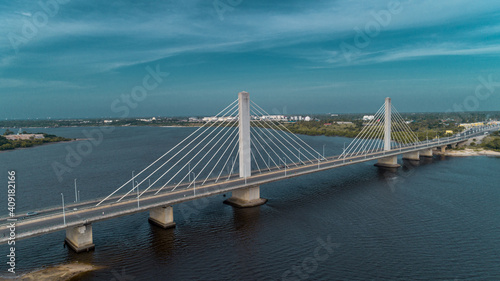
359, 138
258, 151
282, 134
133, 178
177, 154
199, 161
227, 160
222, 155
263, 148
270, 132
291, 133
199, 143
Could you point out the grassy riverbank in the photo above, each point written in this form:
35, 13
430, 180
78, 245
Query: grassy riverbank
6, 144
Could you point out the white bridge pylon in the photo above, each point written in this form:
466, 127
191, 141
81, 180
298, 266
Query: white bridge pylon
239, 141
386, 131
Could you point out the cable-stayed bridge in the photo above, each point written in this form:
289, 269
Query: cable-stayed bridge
237, 151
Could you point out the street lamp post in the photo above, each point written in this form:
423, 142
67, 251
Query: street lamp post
64, 213
76, 193
194, 183
133, 180
284, 162
344, 153
137, 185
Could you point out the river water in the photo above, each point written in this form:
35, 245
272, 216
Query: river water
437, 219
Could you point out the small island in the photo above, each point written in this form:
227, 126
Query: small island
61, 272
10, 141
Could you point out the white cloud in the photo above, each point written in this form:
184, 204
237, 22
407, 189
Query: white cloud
6, 83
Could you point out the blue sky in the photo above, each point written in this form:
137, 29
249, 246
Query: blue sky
290, 55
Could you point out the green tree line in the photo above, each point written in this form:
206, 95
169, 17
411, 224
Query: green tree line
6, 144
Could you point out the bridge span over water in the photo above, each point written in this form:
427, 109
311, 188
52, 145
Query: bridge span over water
263, 151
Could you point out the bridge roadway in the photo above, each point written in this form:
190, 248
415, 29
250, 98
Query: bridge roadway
51, 220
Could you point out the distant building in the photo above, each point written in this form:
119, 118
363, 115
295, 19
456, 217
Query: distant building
218, 119
368, 117
449, 132
470, 125
344, 123
273, 118
209, 119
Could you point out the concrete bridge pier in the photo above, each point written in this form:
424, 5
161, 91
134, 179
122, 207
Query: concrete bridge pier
246, 197
162, 217
426, 153
388, 162
415, 156
79, 238
443, 149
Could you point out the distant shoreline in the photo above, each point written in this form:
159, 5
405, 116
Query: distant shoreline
43, 144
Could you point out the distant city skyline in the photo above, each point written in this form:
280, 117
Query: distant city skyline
90, 59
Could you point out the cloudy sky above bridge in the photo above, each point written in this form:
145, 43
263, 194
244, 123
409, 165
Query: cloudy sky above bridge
80, 58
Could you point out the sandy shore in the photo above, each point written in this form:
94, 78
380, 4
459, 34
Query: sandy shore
57, 273
470, 152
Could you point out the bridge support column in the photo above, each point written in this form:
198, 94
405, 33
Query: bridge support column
443, 149
246, 197
426, 153
388, 162
162, 217
412, 156
250, 196
79, 238
387, 125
